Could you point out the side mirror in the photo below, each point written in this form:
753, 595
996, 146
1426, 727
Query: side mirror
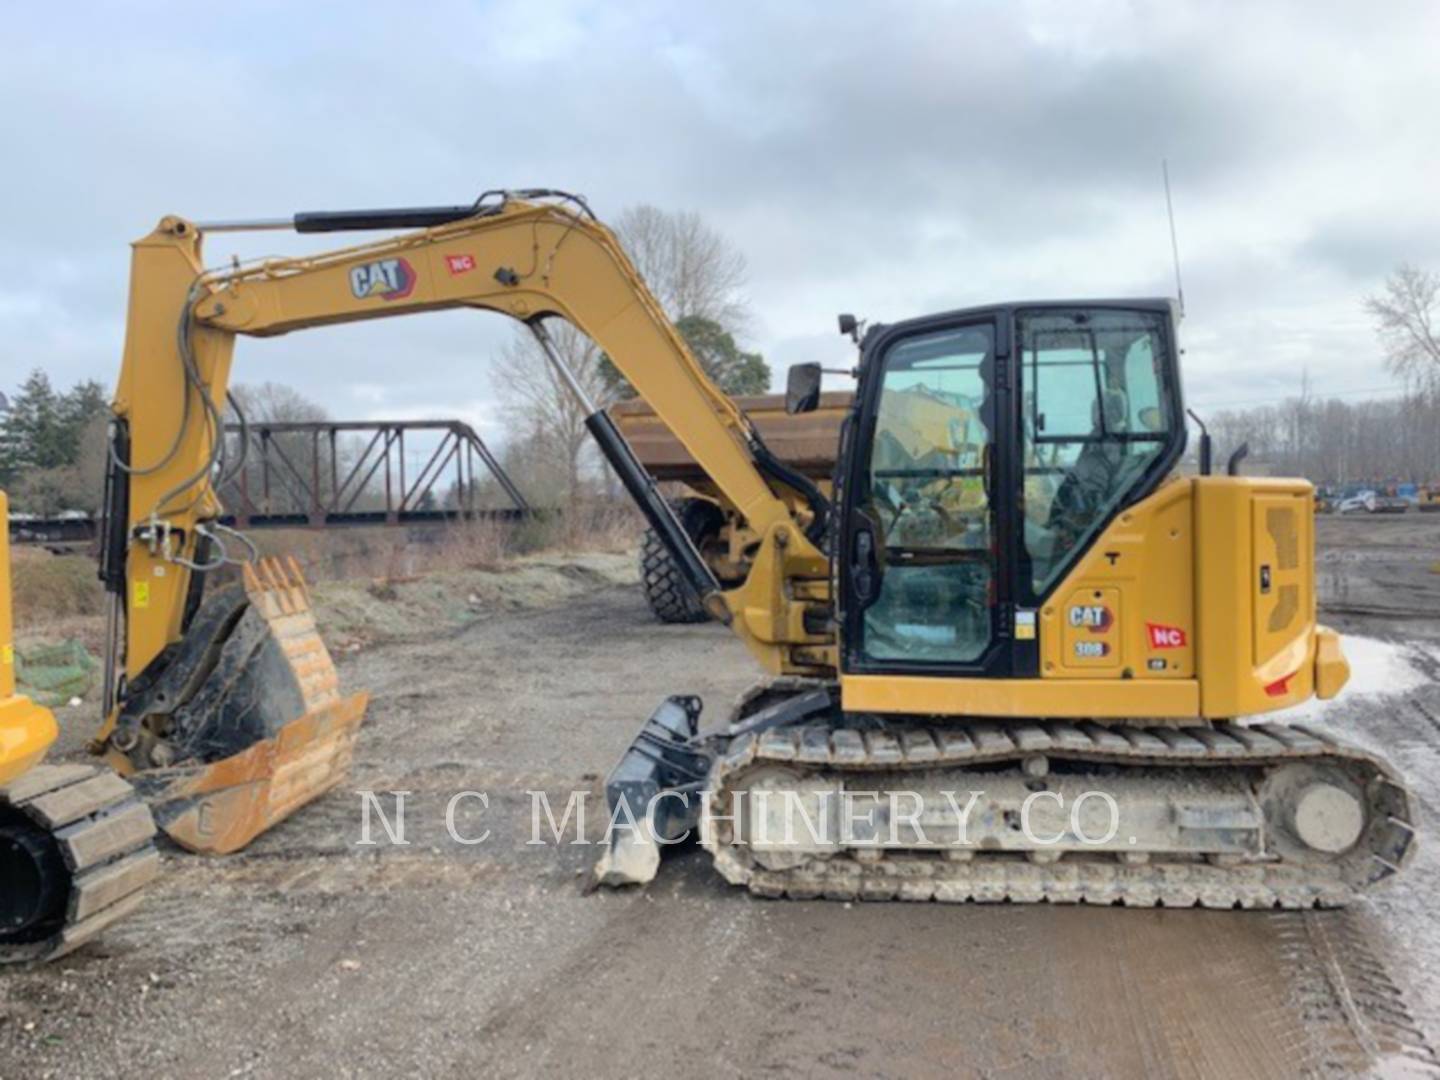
802, 389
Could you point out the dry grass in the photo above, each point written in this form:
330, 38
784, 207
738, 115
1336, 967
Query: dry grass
47, 587
59, 597
473, 545
391, 554
602, 526
489, 545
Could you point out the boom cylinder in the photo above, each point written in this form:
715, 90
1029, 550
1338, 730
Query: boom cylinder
641, 487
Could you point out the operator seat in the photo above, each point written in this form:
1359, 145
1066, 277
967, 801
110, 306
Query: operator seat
1092, 481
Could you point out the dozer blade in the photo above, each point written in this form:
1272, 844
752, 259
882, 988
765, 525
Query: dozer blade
665, 757
253, 726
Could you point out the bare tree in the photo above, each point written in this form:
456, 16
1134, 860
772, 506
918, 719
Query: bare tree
1405, 317
545, 412
692, 270
1335, 442
695, 274
76, 486
276, 403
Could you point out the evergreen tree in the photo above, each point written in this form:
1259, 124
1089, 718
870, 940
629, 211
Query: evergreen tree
9, 447
33, 435
736, 371
44, 433
78, 409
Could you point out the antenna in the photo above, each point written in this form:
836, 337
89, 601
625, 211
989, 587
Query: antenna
1174, 244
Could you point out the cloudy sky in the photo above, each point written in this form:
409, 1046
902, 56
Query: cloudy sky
888, 159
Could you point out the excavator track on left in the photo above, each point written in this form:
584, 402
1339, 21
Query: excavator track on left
77, 847
77, 844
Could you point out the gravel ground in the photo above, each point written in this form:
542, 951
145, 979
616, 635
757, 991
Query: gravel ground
312, 955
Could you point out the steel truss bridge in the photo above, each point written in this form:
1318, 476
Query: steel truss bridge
329, 474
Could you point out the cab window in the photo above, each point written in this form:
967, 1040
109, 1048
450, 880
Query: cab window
928, 497
1096, 415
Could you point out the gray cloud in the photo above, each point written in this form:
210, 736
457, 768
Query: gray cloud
1367, 248
887, 159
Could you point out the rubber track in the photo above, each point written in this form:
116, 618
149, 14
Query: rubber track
1074, 879
106, 836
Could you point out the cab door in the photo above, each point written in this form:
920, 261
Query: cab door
924, 564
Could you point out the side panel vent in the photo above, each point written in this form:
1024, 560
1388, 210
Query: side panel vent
1280, 520
1282, 615
1281, 580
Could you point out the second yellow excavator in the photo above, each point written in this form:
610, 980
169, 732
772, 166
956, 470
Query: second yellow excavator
1010, 652
76, 844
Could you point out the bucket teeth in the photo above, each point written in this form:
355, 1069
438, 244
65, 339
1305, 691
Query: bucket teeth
277, 585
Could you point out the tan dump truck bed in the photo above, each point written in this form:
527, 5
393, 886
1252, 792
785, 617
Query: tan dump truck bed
808, 442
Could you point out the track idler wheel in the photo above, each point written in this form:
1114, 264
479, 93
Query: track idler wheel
76, 853
36, 885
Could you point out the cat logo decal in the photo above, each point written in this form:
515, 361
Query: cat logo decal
389, 279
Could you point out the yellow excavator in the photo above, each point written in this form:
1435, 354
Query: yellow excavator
1010, 653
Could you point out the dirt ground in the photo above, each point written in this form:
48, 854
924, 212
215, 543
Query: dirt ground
311, 955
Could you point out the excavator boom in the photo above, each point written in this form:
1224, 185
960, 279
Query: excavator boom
224, 705
528, 260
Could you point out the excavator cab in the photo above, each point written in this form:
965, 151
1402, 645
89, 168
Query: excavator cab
991, 447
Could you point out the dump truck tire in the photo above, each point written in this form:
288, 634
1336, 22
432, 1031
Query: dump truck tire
669, 597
